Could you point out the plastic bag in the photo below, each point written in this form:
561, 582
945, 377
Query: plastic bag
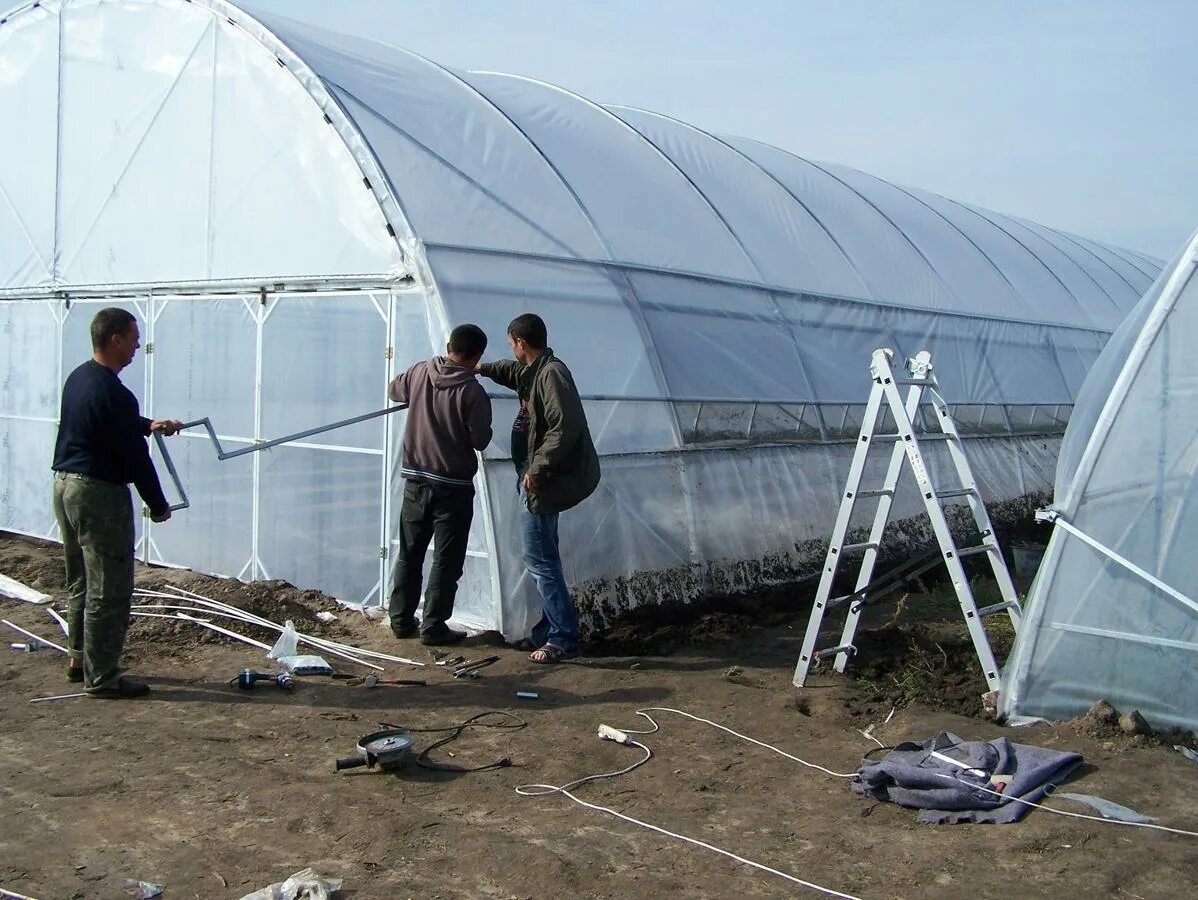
303, 885
286, 644
143, 890
305, 665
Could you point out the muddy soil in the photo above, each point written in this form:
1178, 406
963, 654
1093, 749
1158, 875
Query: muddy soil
216, 792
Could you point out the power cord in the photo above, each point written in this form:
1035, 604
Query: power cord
1061, 812
607, 733
514, 723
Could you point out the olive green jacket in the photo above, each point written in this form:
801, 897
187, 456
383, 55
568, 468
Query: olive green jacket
561, 454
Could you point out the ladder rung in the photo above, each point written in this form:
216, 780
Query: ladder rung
906, 382
865, 545
922, 436
881, 492
962, 492
974, 551
836, 651
998, 607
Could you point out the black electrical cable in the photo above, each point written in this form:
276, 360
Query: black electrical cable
515, 723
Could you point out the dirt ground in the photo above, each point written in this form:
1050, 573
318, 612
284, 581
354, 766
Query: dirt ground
215, 792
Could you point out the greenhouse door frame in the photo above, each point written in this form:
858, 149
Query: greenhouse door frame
260, 298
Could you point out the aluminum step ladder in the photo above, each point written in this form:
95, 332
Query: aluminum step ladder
922, 388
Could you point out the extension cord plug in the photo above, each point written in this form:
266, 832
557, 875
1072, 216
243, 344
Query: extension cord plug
607, 733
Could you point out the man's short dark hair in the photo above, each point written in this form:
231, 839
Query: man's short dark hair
530, 328
468, 341
108, 323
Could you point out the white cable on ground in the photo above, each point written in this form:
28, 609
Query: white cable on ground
704, 845
1061, 812
543, 790
38, 638
644, 712
622, 737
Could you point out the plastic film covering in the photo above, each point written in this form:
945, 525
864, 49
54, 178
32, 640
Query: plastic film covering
120, 178
678, 526
1128, 479
630, 332
29, 386
165, 143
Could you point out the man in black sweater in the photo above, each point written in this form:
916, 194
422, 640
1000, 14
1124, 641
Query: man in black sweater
101, 448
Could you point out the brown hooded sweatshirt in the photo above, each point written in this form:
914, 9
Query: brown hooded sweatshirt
449, 417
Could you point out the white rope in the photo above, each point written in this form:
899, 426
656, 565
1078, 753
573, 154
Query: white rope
1061, 812
690, 840
542, 790
644, 712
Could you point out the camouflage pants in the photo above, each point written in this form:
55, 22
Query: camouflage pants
96, 521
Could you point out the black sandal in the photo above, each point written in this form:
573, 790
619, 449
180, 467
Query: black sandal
553, 654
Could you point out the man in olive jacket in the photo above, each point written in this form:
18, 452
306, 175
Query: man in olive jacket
556, 467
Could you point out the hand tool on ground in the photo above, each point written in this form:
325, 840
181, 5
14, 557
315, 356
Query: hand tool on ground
470, 669
370, 681
451, 662
247, 678
387, 749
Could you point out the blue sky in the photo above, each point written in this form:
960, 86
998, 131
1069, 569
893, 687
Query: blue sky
1079, 115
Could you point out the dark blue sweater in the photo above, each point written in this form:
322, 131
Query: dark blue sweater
101, 433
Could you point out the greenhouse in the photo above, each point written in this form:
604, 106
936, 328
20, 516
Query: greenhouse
1112, 612
295, 216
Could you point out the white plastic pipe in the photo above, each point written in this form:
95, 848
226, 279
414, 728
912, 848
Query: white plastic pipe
39, 639
62, 623
181, 616
305, 638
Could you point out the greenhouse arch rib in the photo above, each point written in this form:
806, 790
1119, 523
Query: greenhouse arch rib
1035, 256
1066, 237
637, 312
325, 103
770, 176
991, 216
939, 215
311, 82
787, 324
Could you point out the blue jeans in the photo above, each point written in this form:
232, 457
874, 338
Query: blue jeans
542, 559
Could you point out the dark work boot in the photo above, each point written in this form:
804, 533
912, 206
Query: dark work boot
122, 689
404, 628
441, 636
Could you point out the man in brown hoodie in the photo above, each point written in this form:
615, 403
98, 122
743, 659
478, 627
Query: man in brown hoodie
448, 420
